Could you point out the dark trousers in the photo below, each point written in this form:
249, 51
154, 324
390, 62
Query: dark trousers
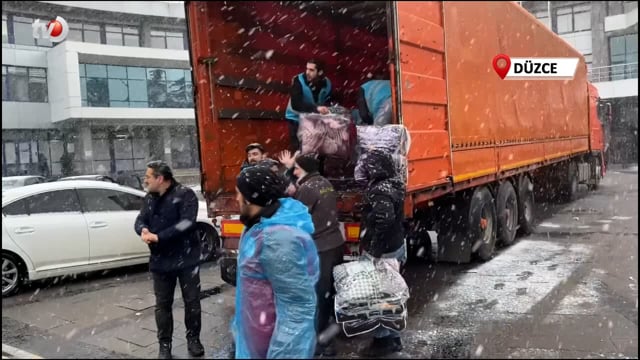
324, 288
164, 285
294, 143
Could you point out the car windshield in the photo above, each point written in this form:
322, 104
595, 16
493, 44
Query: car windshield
10, 184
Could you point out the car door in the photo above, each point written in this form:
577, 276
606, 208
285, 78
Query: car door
111, 215
49, 227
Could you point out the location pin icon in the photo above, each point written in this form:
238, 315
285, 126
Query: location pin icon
501, 64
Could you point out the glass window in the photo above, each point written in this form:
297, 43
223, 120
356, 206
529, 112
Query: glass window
17, 84
117, 72
5, 30
15, 208
137, 72
23, 31
10, 152
96, 200
175, 41
75, 32
24, 84
123, 148
97, 92
53, 202
138, 90
158, 39
573, 18
82, 70
25, 153
92, 34
98, 71
131, 40
38, 85
114, 38
118, 91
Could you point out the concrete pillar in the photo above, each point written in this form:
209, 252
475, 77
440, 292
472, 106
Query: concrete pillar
166, 136
145, 35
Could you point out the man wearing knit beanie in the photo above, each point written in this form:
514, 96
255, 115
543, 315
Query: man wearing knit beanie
317, 193
277, 272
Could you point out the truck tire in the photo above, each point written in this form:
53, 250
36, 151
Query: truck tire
569, 190
526, 205
419, 244
482, 223
507, 211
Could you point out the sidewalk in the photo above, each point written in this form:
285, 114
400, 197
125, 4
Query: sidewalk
122, 320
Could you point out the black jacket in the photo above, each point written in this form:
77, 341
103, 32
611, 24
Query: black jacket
297, 98
381, 229
172, 217
318, 195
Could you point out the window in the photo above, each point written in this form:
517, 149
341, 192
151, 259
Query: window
84, 32
15, 208
167, 40
53, 202
543, 16
136, 87
573, 18
623, 50
23, 32
5, 29
122, 35
620, 7
96, 200
24, 84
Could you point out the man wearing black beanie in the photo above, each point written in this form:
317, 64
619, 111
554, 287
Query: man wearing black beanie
277, 272
317, 193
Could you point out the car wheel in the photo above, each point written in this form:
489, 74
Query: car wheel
12, 276
209, 242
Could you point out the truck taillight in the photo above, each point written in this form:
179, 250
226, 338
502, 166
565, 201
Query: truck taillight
352, 232
231, 228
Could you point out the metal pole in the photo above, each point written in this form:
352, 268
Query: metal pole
549, 12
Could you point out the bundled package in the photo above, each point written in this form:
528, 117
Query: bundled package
333, 134
392, 139
370, 294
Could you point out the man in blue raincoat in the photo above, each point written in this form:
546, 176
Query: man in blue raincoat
278, 269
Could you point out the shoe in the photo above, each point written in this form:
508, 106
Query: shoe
195, 348
330, 350
385, 346
165, 351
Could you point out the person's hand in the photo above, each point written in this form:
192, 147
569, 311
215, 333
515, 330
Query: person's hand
287, 159
323, 110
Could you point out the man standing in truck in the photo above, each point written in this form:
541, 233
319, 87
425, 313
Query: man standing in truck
310, 93
317, 193
374, 102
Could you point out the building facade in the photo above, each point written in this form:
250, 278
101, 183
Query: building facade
606, 33
115, 94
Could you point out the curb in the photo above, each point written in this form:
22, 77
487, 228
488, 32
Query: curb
9, 352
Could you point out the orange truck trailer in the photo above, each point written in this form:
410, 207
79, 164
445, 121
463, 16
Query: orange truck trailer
480, 145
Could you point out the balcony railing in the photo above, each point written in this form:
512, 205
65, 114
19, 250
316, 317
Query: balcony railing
614, 72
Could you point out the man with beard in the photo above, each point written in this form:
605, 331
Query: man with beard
277, 271
255, 154
167, 223
310, 93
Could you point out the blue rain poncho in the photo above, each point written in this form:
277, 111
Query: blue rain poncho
276, 303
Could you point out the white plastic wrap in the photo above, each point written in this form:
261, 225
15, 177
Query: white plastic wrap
392, 139
329, 134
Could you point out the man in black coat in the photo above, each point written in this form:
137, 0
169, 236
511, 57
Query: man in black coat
167, 223
382, 230
317, 193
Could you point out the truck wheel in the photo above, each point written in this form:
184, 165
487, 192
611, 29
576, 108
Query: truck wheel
482, 224
419, 244
570, 187
507, 211
526, 204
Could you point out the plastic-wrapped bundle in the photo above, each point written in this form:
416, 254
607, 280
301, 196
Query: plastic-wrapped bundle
332, 134
392, 139
370, 294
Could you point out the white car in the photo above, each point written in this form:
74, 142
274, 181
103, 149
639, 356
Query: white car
69, 227
12, 182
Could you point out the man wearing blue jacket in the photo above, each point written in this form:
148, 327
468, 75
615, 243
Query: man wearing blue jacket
167, 223
374, 102
310, 93
278, 269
